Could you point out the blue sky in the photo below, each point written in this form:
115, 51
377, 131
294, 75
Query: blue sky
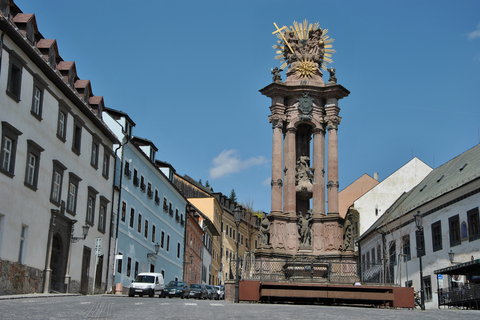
188, 73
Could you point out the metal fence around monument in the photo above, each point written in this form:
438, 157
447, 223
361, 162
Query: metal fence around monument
275, 270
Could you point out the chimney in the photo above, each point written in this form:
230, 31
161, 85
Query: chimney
375, 176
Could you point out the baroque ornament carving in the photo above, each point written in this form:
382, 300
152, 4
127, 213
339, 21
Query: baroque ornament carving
265, 232
304, 47
305, 105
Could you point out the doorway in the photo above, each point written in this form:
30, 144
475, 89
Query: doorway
85, 270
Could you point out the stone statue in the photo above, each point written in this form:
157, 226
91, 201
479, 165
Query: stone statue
305, 48
276, 77
333, 77
265, 232
304, 175
305, 229
350, 230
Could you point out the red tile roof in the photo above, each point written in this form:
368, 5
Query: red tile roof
65, 65
23, 17
45, 43
82, 83
95, 100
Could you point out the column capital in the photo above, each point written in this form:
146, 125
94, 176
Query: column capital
276, 123
333, 121
318, 130
291, 129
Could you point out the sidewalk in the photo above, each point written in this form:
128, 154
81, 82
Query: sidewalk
37, 295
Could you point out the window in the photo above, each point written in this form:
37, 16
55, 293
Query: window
127, 171
136, 268
106, 163
162, 238
379, 254
119, 263
139, 223
14, 83
464, 230
153, 232
168, 242
437, 236
165, 205
170, 209
427, 287
23, 239
178, 250
473, 224
90, 217
454, 230
57, 178
142, 183
407, 256
33, 163
145, 229
373, 256
157, 198
420, 239
37, 100
62, 122
9, 148
129, 266
135, 177
409, 283
94, 153
102, 214
72, 193
392, 253
124, 211
368, 259
149, 190
132, 217
77, 136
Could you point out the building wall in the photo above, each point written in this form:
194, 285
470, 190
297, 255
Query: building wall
23, 206
134, 245
193, 250
352, 192
376, 201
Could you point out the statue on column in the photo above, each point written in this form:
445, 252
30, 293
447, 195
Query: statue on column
305, 229
265, 232
304, 175
350, 230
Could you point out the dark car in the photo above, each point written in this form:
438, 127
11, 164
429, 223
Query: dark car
212, 292
177, 289
198, 291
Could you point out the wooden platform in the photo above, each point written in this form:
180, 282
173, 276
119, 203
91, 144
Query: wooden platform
390, 296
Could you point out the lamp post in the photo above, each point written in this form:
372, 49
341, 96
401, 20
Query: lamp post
451, 256
237, 279
152, 254
420, 249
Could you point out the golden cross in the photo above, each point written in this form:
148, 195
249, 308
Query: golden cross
279, 30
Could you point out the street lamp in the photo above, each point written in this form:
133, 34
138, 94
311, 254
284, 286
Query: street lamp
237, 218
157, 248
451, 256
420, 249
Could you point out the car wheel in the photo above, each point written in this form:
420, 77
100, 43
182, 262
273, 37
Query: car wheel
131, 294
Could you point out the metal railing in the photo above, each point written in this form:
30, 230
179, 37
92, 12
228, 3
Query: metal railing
467, 295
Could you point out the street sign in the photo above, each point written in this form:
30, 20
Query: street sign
98, 247
439, 276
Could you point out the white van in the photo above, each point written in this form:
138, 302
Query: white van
147, 283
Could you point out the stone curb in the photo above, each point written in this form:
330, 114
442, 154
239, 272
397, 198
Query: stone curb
37, 295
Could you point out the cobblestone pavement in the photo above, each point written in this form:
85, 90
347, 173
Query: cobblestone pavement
121, 307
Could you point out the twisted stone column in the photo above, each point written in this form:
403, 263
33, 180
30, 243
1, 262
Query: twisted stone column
319, 167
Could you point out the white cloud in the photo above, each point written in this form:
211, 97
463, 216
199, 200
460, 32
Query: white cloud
228, 162
267, 181
474, 34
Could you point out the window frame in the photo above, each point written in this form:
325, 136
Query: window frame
74, 180
436, 230
40, 86
59, 168
454, 230
406, 248
90, 215
62, 127
35, 150
11, 133
473, 224
131, 221
123, 212
102, 214
106, 163
77, 135
14, 86
94, 151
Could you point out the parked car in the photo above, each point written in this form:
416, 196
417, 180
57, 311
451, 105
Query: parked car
212, 292
177, 289
198, 291
148, 283
221, 292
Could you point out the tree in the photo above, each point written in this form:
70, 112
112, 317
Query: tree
207, 184
200, 181
233, 196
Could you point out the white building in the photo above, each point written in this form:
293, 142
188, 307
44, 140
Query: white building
377, 200
448, 201
56, 167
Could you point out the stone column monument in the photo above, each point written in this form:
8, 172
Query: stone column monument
305, 120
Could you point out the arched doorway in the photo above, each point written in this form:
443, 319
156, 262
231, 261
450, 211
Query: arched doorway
57, 264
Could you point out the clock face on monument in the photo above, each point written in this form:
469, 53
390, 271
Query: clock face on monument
303, 47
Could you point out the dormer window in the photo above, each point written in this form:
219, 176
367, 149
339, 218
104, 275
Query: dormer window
5, 7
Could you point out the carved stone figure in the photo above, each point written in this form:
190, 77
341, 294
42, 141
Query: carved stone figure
304, 175
350, 230
333, 77
265, 232
305, 229
276, 77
